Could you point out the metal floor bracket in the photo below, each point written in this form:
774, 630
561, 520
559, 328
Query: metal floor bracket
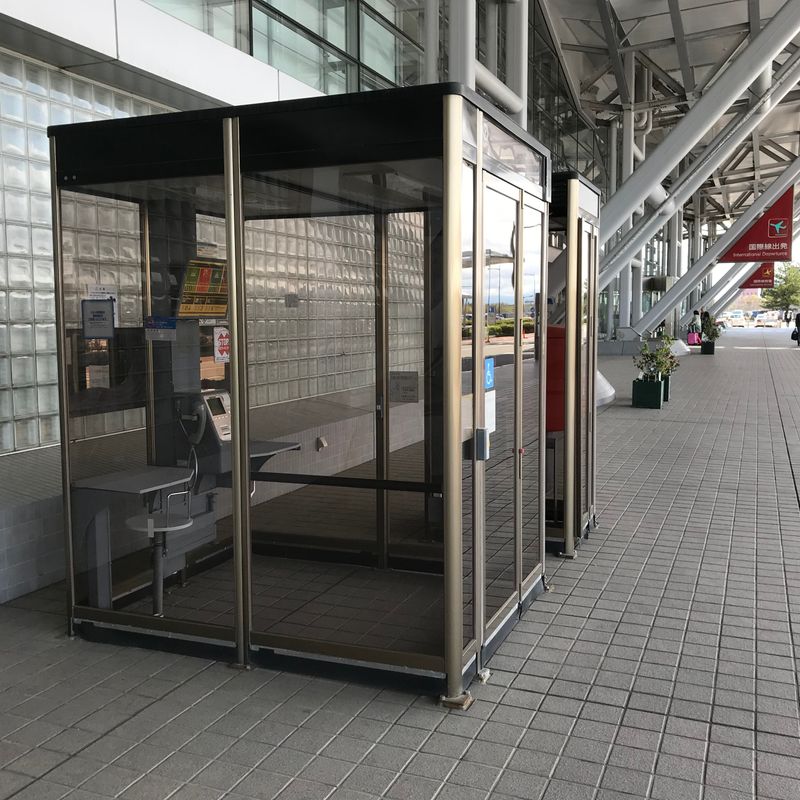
460, 702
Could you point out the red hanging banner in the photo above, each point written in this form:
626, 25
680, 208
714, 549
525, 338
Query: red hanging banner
770, 236
762, 278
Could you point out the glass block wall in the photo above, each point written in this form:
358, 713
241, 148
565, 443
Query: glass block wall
33, 96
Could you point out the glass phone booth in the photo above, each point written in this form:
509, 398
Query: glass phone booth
572, 364
276, 437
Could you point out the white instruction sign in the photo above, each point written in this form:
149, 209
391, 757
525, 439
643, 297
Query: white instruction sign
490, 411
98, 319
403, 387
100, 291
222, 345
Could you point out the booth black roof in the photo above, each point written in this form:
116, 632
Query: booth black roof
346, 128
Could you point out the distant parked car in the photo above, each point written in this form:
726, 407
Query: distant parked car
737, 319
766, 319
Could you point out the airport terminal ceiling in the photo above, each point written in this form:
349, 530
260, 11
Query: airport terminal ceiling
679, 48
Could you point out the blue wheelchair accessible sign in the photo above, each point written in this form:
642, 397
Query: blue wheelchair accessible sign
488, 374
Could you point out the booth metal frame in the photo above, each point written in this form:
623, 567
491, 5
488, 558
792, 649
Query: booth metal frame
444, 121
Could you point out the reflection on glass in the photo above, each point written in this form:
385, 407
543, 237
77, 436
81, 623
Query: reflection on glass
406, 15
500, 231
585, 367
331, 274
505, 152
467, 393
287, 49
531, 378
326, 19
388, 53
214, 17
149, 424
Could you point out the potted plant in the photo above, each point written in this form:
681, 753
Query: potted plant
648, 388
710, 335
666, 363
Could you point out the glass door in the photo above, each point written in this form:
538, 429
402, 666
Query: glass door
499, 390
345, 407
531, 327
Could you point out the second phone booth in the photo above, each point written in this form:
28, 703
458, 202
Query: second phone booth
300, 351
572, 363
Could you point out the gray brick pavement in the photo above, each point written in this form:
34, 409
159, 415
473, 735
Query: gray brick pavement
661, 665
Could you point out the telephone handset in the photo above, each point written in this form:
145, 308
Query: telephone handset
214, 407
200, 416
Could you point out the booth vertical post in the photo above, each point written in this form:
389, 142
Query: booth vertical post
63, 391
541, 334
240, 457
571, 384
451, 301
147, 296
479, 323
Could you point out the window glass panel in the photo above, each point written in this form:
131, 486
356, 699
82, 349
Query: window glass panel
214, 17
407, 15
295, 54
509, 154
326, 19
499, 279
389, 54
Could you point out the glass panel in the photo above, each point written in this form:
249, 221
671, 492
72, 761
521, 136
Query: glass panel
499, 231
292, 52
323, 270
531, 377
407, 15
503, 151
409, 460
214, 17
467, 321
326, 19
151, 477
415, 529
585, 365
389, 54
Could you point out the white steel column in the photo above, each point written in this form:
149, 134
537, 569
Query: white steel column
431, 41
712, 157
732, 83
461, 41
626, 278
706, 262
517, 56
636, 293
719, 305
735, 274
674, 231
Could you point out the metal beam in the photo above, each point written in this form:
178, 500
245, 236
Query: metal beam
604, 7
595, 76
690, 181
697, 36
680, 44
716, 70
725, 300
705, 263
736, 273
705, 113
787, 154
662, 76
